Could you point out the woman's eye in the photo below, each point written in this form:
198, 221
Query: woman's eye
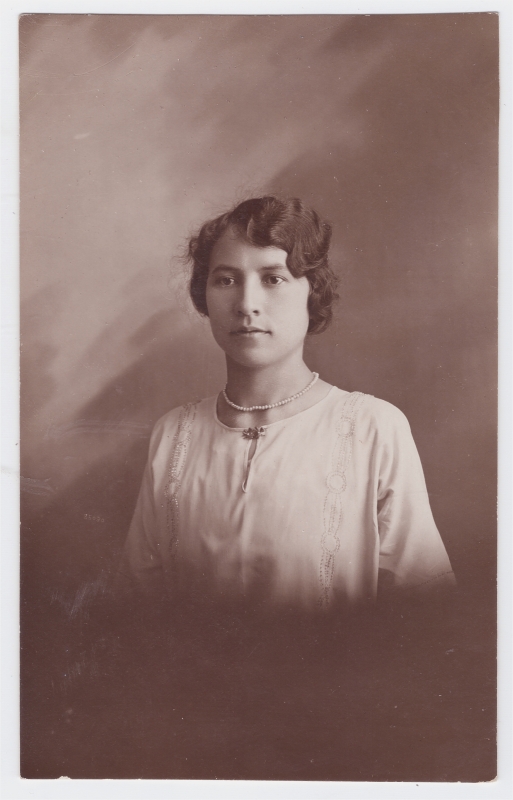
274, 280
224, 280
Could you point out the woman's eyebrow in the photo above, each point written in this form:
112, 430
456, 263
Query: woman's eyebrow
267, 268
223, 268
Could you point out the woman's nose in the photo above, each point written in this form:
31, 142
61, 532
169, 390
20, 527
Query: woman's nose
249, 301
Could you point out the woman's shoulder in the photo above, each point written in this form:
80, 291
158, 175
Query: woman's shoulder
184, 415
377, 413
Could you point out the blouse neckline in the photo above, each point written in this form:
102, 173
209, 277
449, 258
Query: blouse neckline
270, 424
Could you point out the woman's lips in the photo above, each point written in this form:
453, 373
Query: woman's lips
249, 332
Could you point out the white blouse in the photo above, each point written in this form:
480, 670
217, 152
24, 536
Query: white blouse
331, 495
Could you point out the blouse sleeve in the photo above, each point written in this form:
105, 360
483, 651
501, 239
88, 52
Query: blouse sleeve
141, 566
412, 554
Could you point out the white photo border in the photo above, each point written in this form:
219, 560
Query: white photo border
14, 787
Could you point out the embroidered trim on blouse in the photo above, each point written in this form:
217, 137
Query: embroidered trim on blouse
177, 462
336, 482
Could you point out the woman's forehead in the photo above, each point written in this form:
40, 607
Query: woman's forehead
232, 250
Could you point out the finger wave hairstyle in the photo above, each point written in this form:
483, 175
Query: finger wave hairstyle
272, 222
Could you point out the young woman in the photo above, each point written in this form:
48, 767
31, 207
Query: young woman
282, 487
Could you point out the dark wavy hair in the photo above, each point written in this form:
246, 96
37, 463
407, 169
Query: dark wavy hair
272, 222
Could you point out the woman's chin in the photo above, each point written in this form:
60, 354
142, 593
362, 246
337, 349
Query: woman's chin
251, 357
250, 353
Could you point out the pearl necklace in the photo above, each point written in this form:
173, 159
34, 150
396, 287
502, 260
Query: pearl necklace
271, 405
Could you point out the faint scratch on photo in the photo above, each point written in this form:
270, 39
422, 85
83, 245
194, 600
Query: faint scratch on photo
81, 426
78, 74
35, 486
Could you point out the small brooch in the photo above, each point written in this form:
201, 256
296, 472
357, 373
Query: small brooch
253, 433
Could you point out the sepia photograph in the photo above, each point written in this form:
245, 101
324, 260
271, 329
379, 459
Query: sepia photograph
259, 296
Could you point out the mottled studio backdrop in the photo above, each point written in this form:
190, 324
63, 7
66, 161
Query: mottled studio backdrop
136, 128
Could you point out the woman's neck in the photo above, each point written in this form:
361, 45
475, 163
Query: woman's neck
250, 387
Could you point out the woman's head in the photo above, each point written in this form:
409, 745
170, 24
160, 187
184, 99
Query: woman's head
288, 225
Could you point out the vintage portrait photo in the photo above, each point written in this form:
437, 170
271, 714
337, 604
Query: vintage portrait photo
258, 285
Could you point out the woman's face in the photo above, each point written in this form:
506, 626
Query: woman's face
257, 308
